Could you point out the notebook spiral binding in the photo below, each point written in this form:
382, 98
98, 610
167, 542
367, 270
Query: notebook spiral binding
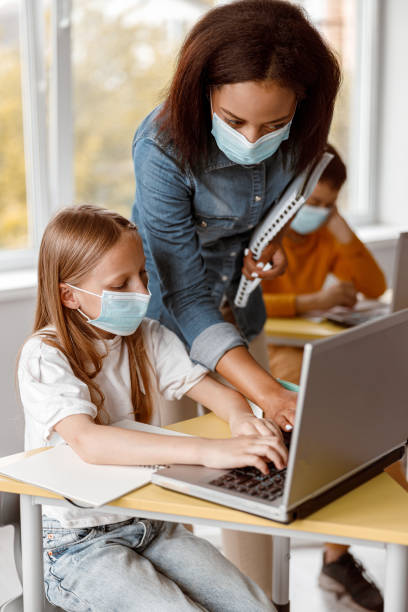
294, 196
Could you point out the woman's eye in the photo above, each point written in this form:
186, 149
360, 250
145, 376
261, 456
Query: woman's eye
234, 122
272, 128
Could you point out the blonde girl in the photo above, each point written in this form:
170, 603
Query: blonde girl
94, 359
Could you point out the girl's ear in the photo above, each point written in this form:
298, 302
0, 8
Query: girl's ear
68, 297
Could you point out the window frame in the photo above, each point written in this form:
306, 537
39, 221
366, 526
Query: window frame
48, 153
365, 115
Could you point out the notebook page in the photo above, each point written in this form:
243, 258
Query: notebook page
62, 471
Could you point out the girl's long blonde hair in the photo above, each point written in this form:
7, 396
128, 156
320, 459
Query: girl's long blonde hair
73, 243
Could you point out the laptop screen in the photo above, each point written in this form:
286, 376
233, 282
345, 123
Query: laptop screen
352, 405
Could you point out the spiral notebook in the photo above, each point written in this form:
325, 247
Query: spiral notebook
62, 471
294, 196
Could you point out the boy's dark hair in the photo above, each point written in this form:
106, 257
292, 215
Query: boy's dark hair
335, 172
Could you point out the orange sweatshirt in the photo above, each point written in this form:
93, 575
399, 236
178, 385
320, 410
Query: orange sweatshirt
311, 261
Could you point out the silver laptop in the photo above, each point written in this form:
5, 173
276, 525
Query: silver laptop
351, 422
400, 292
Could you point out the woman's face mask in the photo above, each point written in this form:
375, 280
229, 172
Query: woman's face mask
121, 312
239, 150
253, 102
309, 219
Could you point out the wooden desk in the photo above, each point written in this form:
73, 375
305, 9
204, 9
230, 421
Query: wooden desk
376, 512
296, 331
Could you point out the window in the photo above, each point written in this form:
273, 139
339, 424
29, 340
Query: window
13, 209
351, 29
117, 83
108, 64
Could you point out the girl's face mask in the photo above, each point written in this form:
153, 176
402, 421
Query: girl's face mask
309, 219
121, 312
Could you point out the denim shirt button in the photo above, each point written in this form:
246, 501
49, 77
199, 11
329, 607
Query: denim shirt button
250, 226
224, 278
258, 198
233, 253
203, 223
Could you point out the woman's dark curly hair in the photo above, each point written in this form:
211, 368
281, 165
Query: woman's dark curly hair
252, 40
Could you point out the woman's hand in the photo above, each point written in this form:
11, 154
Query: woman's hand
250, 425
281, 408
278, 404
274, 254
242, 451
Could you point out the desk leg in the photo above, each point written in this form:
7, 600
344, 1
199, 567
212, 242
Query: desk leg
31, 549
280, 573
396, 579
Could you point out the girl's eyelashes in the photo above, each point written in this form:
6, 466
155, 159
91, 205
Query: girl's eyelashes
118, 287
143, 276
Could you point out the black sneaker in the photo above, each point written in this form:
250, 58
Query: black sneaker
346, 576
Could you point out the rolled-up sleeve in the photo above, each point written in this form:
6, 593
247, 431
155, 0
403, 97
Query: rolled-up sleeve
164, 194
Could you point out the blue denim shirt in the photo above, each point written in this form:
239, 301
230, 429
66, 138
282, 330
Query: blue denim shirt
195, 227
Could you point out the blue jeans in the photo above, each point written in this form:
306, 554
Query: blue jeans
142, 565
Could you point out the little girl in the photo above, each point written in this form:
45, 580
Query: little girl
94, 359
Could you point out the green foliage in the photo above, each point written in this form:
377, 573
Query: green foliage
121, 70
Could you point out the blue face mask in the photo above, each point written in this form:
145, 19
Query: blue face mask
121, 312
239, 150
309, 219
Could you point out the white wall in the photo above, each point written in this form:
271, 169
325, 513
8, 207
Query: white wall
16, 320
393, 125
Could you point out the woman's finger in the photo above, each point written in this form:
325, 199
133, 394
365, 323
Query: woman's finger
284, 422
250, 267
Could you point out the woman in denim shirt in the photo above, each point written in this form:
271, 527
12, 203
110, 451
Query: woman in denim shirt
253, 71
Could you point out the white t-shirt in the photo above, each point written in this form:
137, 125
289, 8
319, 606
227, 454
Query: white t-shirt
50, 392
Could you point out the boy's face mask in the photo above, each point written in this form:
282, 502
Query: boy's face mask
121, 312
309, 219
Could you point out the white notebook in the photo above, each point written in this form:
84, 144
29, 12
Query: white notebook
62, 471
294, 196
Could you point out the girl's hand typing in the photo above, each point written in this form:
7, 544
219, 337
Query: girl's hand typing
241, 451
250, 425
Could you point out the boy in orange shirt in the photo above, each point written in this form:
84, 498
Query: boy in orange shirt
318, 242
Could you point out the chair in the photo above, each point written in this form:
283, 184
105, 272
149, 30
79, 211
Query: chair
10, 515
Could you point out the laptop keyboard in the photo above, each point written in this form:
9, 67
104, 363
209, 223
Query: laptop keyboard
251, 481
